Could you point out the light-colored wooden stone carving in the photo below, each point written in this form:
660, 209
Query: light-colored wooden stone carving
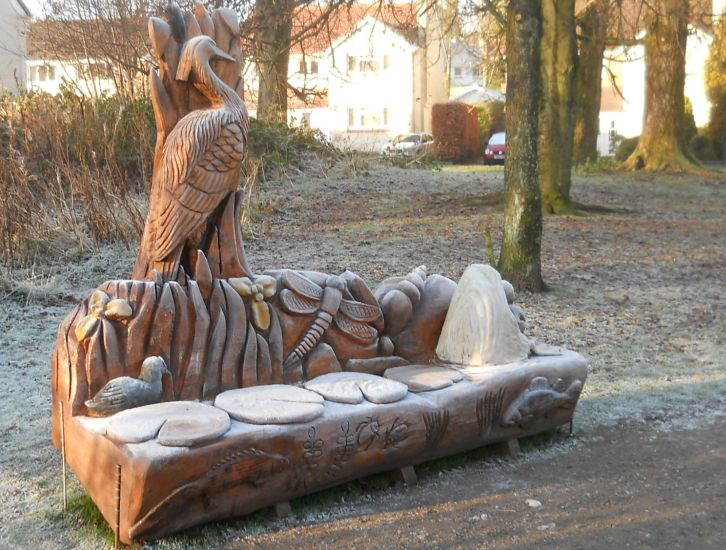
200, 362
480, 328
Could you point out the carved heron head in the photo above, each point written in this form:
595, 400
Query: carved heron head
196, 55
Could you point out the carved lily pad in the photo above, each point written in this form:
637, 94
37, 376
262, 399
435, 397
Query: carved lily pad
352, 387
97, 302
85, 327
118, 309
274, 404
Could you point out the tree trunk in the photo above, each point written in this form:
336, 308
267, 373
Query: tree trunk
593, 23
519, 261
559, 64
273, 33
659, 147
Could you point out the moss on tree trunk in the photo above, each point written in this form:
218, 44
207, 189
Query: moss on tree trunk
660, 147
519, 261
593, 23
559, 66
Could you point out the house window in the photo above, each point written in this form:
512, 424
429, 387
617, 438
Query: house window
314, 67
302, 69
305, 121
457, 71
365, 64
32, 74
476, 71
46, 72
368, 65
368, 117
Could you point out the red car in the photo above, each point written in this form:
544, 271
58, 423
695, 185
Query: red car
496, 149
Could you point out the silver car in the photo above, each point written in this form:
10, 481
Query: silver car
409, 144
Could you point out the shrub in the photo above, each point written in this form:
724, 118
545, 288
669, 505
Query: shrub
702, 147
625, 147
275, 145
71, 168
456, 131
491, 119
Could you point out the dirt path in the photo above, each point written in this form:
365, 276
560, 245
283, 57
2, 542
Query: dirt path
628, 487
637, 287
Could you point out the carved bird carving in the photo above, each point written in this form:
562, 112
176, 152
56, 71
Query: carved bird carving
126, 392
199, 164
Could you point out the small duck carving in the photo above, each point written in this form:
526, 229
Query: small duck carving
126, 392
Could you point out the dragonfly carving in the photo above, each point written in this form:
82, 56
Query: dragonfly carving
301, 296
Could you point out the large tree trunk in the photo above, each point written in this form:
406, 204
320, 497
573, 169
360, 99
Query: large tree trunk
273, 33
519, 261
593, 23
559, 65
660, 146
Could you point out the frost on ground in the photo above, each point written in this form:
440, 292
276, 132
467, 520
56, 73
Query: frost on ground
636, 286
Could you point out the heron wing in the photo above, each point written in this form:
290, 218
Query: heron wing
199, 167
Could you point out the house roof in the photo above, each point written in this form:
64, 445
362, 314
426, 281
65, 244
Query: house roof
315, 29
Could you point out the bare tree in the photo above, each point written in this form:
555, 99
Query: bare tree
519, 261
104, 39
660, 146
592, 21
559, 67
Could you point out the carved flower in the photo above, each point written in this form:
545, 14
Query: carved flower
100, 305
262, 288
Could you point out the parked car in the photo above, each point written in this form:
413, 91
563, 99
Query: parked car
409, 144
496, 149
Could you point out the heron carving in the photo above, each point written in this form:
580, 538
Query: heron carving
198, 168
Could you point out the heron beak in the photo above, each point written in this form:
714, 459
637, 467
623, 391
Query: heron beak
219, 54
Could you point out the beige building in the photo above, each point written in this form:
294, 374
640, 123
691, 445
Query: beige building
14, 22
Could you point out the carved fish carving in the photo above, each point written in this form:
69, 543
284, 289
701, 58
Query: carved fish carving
539, 398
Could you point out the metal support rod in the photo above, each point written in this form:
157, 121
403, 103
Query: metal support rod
63, 454
117, 530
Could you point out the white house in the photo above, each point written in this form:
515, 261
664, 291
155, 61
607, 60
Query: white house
71, 54
373, 77
14, 21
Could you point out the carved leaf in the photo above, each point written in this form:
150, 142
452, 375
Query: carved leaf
359, 331
97, 302
85, 327
204, 19
358, 311
301, 285
261, 315
118, 309
292, 303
